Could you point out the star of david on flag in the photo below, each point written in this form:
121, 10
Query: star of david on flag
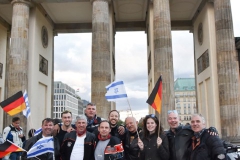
42, 146
116, 91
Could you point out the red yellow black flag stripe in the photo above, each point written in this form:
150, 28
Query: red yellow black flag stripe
155, 98
7, 147
14, 104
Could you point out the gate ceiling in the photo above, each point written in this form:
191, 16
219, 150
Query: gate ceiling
129, 14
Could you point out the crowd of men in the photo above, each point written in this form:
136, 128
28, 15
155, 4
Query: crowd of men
91, 138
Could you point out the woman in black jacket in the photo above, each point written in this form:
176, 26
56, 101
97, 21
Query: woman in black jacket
154, 143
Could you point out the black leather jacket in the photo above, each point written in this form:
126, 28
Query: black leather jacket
210, 148
93, 124
179, 142
151, 152
132, 151
69, 141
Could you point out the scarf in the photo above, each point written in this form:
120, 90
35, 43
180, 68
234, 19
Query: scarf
103, 139
81, 133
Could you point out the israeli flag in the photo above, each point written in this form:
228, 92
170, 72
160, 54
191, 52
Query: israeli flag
116, 91
39, 130
26, 112
42, 146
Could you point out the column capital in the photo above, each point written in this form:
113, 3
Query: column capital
27, 2
108, 1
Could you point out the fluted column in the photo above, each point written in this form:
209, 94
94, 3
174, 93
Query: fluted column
228, 72
101, 67
17, 60
163, 61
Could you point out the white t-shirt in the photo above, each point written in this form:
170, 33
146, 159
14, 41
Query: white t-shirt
78, 149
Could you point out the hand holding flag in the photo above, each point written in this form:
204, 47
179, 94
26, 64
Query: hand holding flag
42, 146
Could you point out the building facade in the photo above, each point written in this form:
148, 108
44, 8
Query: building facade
185, 98
65, 98
28, 27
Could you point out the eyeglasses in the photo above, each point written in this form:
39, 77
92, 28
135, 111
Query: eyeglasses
151, 116
172, 111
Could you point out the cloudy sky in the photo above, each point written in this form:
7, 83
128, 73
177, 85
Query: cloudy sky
73, 62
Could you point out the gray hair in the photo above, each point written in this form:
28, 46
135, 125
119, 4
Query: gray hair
200, 115
81, 117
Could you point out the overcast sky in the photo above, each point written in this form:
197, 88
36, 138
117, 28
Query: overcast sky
73, 61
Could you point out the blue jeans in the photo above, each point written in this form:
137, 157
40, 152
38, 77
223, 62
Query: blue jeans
15, 155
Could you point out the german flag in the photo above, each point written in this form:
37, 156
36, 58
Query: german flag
155, 98
14, 104
7, 147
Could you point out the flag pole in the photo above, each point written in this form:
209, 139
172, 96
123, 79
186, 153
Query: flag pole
53, 148
132, 116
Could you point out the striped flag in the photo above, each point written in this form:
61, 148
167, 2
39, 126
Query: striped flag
26, 112
15, 104
39, 130
8, 147
155, 98
42, 146
115, 91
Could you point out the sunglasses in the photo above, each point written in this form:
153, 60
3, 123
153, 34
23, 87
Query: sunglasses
151, 116
172, 111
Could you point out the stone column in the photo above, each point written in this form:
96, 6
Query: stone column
163, 61
101, 67
228, 72
17, 60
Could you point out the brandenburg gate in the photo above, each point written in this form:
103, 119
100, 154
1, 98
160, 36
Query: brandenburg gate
28, 27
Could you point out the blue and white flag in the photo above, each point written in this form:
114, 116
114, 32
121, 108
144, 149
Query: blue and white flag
26, 112
42, 146
115, 91
39, 130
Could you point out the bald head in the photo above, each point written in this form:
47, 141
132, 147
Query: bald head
131, 124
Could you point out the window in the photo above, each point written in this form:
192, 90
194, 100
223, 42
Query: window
178, 111
184, 105
189, 111
185, 112
178, 106
189, 105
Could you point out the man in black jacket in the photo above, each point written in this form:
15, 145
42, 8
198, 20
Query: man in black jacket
92, 119
116, 130
78, 144
107, 147
204, 146
47, 131
131, 149
179, 137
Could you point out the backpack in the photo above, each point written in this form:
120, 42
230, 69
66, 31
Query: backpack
10, 136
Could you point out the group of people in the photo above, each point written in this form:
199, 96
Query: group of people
91, 138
